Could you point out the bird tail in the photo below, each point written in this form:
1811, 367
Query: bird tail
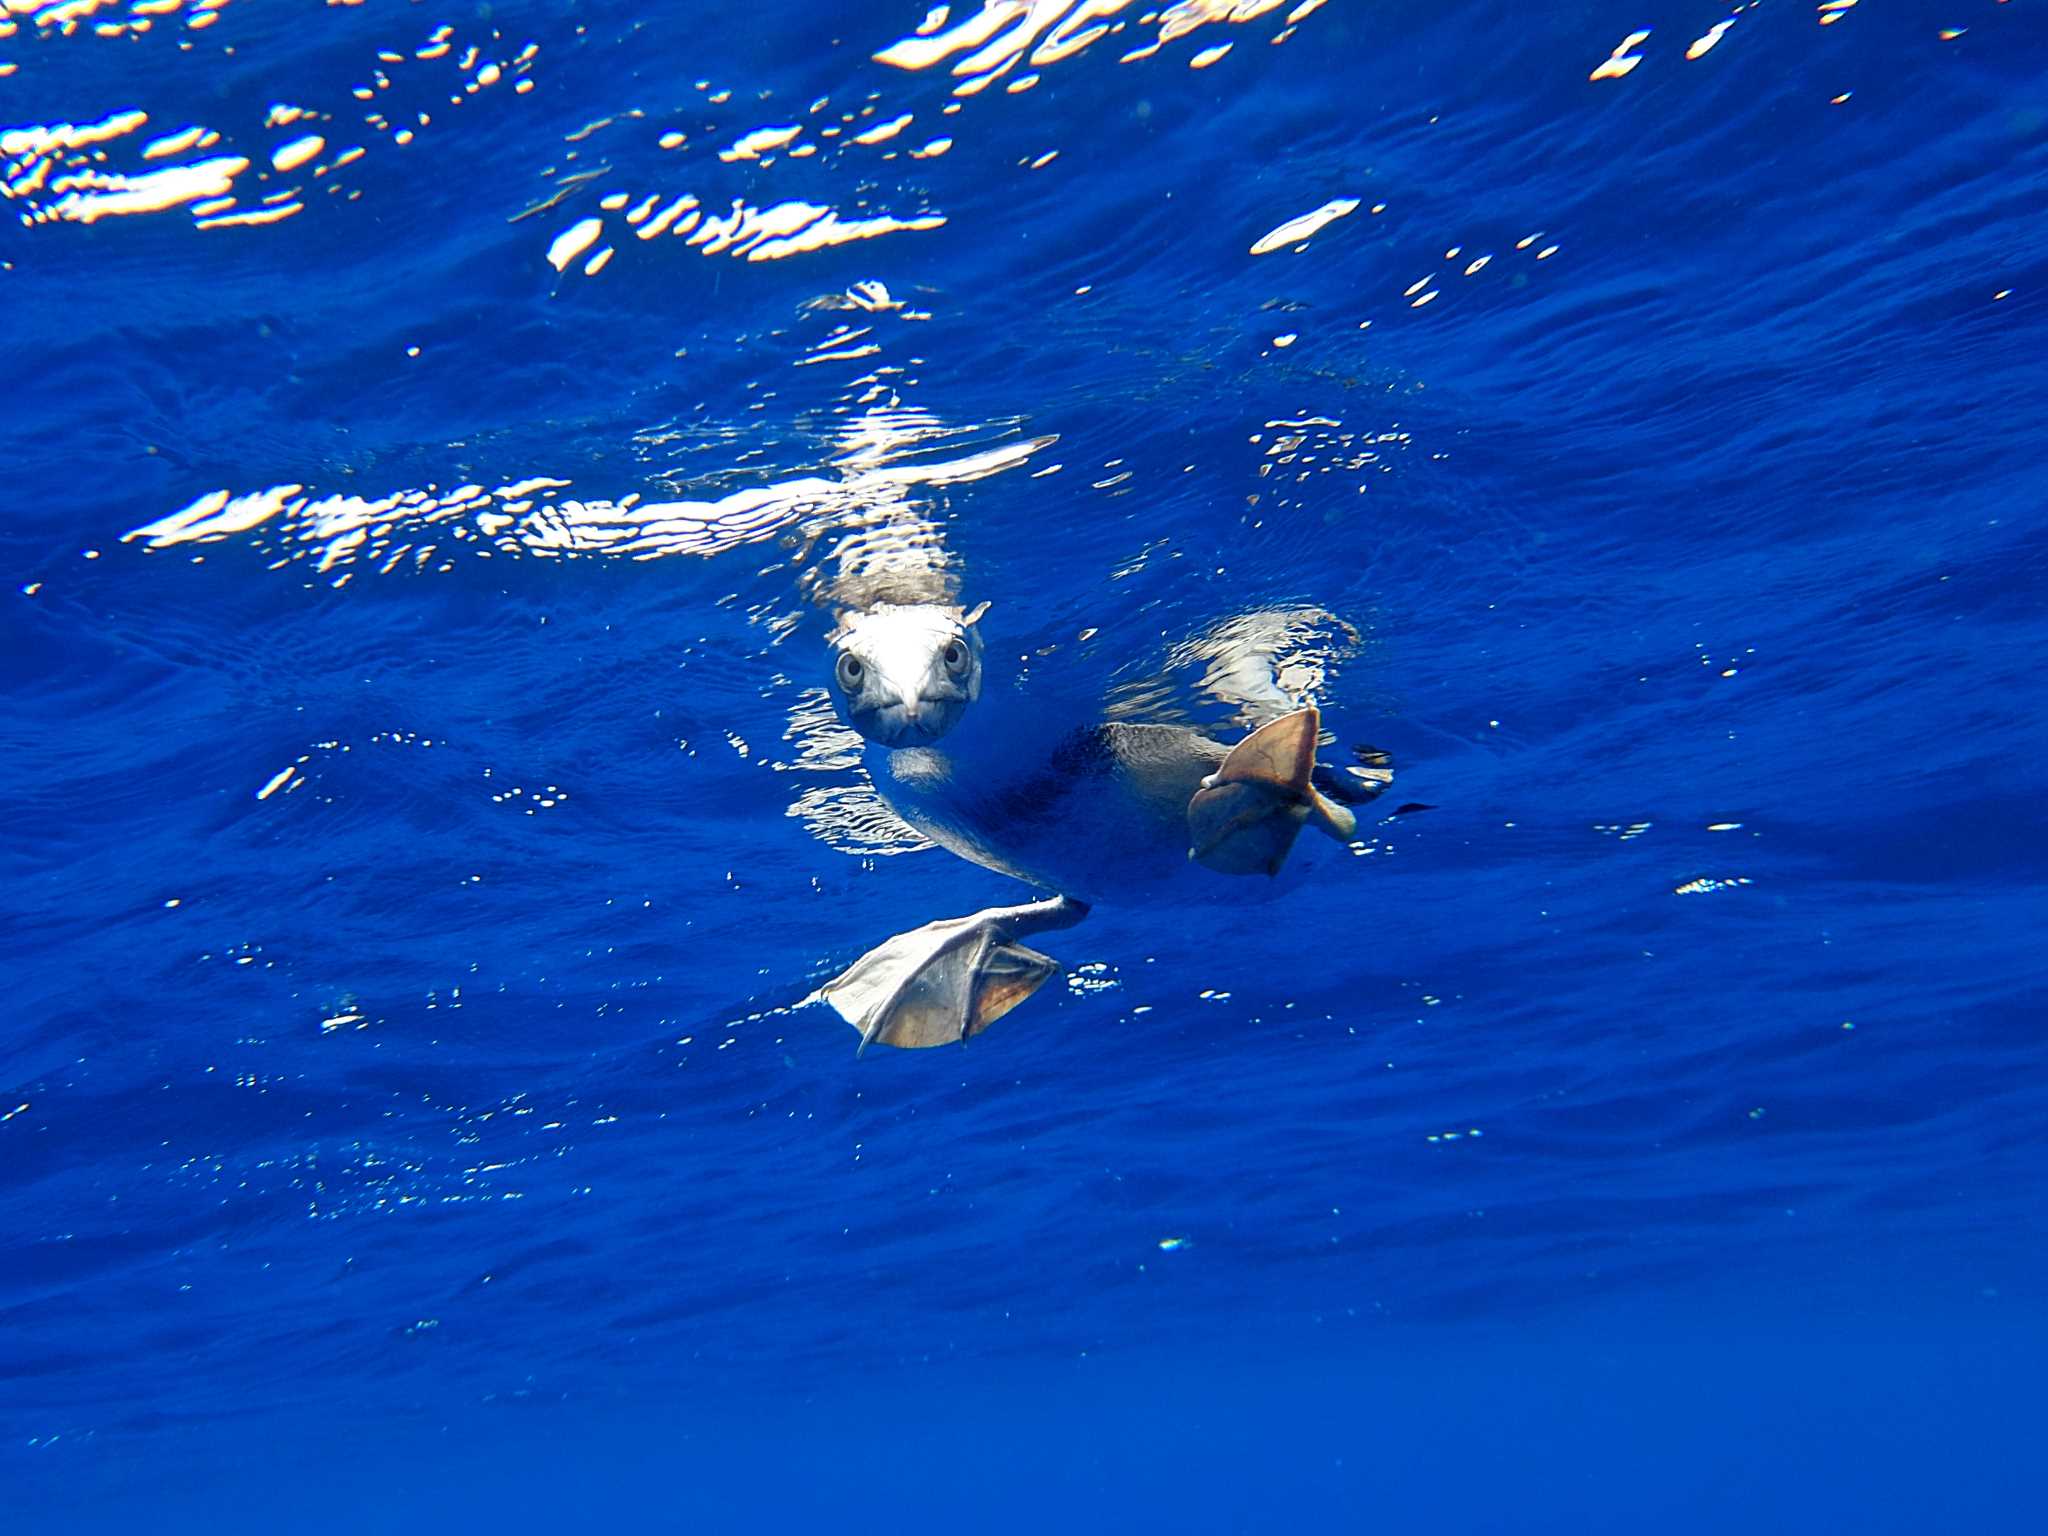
1360, 784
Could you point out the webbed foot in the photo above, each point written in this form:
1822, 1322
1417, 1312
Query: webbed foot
1245, 817
948, 980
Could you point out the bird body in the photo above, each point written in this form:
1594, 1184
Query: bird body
1090, 811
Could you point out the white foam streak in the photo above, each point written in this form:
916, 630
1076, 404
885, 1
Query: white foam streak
882, 131
923, 52
1075, 33
338, 531
751, 146
976, 466
573, 242
289, 157
172, 143
1004, 32
215, 516
1007, 49
1299, 228
660, 222
107, 195
833, 230
789, 228
37, 138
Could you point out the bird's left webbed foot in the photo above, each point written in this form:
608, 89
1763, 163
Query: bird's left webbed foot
948, 980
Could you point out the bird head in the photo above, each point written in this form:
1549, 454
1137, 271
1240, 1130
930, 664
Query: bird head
905, 673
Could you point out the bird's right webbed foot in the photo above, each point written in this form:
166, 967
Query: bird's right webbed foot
948, 980
1244, 818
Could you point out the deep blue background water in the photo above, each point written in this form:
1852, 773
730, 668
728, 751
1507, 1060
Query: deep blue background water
1564, 1165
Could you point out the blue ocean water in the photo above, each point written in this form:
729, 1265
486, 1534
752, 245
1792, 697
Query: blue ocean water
438, 438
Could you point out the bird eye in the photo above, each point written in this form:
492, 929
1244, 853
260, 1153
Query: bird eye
955, 656
850, 671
